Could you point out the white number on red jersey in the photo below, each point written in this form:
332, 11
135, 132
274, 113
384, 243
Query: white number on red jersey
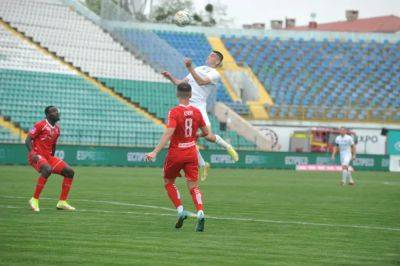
188, 127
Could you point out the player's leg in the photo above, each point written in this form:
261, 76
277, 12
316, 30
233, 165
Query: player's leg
216, 138
351, 181
344, 175
204, 166
172, 167
197, 198
43, 167
192, 174
345, 160
62, 168
175, 197
173, 193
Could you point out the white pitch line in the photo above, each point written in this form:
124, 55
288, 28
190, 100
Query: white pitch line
194, 215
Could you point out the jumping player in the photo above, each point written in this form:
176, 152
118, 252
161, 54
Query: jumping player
204, 80
184, 121
345, 144
41, 143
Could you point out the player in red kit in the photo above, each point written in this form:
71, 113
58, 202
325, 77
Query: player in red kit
41, 143
184, 121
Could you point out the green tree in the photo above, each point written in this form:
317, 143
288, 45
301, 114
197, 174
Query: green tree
94, 5
166, 9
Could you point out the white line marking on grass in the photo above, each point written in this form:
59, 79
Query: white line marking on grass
194, 215
102, 201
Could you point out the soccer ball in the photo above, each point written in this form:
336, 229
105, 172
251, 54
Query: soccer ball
182, 18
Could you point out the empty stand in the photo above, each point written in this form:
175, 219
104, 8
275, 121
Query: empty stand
88, 115
327, 79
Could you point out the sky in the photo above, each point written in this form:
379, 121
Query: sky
250, 11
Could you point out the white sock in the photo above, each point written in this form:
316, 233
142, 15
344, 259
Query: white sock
200, 214
344, 176
350, 177
179, 209
202, 163
221, 142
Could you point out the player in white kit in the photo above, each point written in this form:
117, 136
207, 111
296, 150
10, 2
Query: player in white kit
347, 149
204, 80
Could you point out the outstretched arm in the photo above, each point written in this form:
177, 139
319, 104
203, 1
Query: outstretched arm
163, 141
173, 79
199, 80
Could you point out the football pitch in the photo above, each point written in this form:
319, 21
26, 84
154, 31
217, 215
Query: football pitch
256, 217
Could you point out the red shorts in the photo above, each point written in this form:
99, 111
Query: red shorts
185, 160
56, 164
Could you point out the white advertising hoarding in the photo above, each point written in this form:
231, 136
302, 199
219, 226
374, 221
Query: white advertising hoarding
370, 141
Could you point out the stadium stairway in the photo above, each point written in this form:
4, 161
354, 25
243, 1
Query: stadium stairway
160, 99
197, 47
83, 74
32, 79
256, 107
307, 78
94, 53
10, 132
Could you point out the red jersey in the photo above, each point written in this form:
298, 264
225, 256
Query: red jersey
44, 136
186, 120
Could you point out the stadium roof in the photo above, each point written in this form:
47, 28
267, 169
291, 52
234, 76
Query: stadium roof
387, 24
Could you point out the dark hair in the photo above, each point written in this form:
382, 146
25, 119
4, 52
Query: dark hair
184, 87
184, 90
220, 55
47, 109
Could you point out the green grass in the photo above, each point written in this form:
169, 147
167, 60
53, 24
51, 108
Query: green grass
275, 202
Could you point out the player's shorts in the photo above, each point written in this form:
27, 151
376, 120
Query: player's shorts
186, 160
56, 164
345, 159
203, 110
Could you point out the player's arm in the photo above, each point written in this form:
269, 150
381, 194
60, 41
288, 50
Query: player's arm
204, 131
33, 133
28, 143
54, 149
353, 152
173, 79
334, 151
163, 141
199, 80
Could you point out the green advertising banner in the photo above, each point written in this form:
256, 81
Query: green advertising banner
393, 142
119, 156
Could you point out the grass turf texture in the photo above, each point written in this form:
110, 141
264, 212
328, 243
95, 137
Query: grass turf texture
114, 233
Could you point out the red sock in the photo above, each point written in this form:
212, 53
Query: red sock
39, 186
173, 194
196, 197
66, 185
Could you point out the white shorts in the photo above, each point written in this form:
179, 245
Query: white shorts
203, 110
345, 159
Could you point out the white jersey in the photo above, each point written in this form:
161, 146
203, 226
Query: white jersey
344, 144
201, 93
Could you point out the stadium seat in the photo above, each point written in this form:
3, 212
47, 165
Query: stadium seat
312, 73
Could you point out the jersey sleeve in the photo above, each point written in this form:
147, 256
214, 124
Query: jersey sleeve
351, 141
172, 119
35, 131
213, 76
336, 141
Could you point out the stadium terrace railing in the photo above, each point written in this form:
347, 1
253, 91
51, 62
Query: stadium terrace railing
345, 114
